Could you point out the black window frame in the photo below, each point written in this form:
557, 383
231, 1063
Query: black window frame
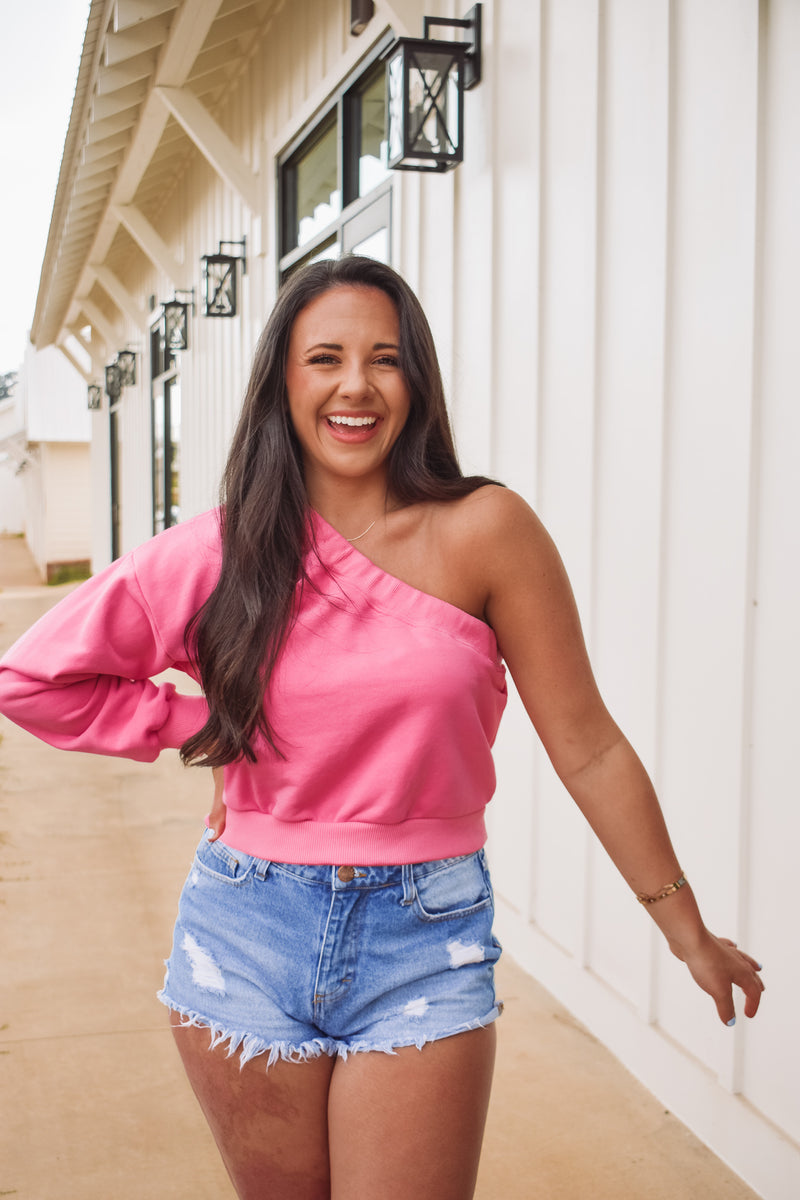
342, 111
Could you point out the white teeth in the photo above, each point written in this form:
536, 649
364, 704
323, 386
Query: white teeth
352, 420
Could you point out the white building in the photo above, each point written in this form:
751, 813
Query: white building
13, 460
612, 275
45, 473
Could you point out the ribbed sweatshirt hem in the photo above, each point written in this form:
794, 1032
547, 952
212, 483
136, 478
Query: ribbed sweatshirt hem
359, 843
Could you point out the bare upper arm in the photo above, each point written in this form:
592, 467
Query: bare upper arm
531, 607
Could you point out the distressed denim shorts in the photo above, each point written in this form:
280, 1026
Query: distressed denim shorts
297, 961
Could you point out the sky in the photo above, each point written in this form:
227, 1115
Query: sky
42, 42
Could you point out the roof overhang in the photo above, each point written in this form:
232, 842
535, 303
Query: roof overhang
152, 75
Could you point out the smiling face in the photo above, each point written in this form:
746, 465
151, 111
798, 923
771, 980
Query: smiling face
348, 397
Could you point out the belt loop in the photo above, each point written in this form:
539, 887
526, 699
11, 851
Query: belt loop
262, 866
409, 890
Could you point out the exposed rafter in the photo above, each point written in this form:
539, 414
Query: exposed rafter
212, 143
147, 68
152, 244
100, 322
70, 357
121, 296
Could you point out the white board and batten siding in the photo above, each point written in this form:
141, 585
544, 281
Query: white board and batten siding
633, 227
612, 276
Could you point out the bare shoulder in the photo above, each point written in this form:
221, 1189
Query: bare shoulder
490, 543
494, 522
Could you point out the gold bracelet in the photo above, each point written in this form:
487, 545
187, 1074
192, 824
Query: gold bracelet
662, 895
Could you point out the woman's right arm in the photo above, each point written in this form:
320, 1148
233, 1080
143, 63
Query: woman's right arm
80, 678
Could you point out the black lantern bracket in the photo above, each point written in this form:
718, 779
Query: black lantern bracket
179, 297
219, 280
241, 257
472, 43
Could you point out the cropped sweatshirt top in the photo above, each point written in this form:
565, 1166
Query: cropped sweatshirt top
385, 700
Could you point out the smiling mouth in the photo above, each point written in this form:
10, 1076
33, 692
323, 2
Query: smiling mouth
353, 422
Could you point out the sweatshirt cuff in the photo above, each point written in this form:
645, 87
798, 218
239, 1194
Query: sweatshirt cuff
185, 716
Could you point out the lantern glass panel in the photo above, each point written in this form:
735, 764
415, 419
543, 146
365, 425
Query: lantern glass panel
176, 332
95, 396
113, 385
433, 116
395, 106
126, 363
220, 285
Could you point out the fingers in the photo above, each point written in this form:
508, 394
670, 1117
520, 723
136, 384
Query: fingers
745, 976
719, 967
216, 818
216, 821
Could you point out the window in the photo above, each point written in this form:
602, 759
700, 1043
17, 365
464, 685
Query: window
335, 186
165, 414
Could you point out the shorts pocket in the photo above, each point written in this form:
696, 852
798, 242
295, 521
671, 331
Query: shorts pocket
223, 863
452, 888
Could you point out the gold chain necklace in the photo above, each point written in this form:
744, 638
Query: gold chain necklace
364, 534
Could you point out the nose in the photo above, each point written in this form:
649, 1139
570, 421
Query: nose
354, 383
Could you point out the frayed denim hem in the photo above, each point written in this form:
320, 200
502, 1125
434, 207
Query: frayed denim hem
249, 1045
345, 1049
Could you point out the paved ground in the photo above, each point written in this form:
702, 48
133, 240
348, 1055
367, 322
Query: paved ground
93, 853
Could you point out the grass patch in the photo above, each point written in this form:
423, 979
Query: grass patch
67, 573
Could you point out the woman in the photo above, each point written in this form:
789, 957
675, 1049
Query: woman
347, 623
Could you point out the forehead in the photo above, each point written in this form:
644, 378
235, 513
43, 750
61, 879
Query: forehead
350, 310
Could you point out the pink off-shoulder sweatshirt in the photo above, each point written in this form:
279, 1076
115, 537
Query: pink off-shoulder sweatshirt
385, 700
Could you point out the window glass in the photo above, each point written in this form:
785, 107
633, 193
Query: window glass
172, 480
372, 158
319, 199
159, 431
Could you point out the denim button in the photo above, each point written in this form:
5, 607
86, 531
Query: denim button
346, 874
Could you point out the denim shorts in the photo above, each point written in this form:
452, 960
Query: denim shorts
296, 961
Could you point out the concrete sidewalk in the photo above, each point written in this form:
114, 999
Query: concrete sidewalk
93, 852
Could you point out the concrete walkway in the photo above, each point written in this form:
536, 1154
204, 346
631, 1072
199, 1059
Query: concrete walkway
93, 852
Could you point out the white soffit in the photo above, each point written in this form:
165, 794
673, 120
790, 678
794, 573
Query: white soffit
152, 74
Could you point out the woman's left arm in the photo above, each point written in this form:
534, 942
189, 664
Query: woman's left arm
532, 610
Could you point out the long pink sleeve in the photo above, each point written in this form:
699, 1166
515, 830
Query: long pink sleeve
80, 678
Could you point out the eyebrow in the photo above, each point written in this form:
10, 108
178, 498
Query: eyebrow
338, 346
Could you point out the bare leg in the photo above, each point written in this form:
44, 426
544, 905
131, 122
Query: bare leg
271, 1127
411, 1124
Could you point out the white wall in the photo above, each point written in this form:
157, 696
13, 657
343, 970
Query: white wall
58, 504
12, 453
637, 358
54, 395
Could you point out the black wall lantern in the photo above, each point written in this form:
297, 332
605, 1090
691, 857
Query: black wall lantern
94, 397
176, 322
126, 361
426, 79
113, 382
219, 280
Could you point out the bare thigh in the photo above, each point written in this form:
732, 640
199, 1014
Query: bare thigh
270, 1126
411, 1123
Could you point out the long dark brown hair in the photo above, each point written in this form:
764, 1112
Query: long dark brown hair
235, 638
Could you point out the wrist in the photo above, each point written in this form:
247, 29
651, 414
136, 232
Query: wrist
679, 919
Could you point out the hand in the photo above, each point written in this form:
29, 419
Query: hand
216, 818
716, 966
